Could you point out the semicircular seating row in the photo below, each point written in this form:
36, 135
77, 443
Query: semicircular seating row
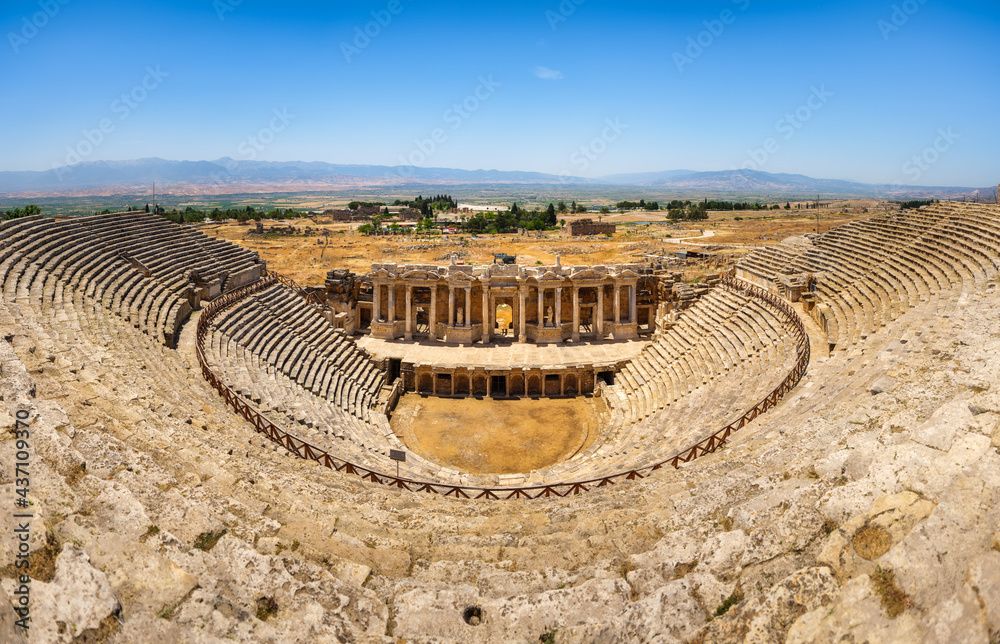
724, 354
276, 350
86, 253
872, 271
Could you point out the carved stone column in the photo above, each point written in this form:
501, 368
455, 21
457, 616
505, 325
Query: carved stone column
618, 304
434, 311
558, 306
468, 307
600, 311
489, 320
408, 334
451, 305
541, 307
576, 314
522, 298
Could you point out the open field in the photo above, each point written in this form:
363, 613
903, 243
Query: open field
304, 258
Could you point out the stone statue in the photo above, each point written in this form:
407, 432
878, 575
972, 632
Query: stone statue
461, 317
548, 317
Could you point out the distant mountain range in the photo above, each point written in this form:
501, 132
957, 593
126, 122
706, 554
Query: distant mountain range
229, 176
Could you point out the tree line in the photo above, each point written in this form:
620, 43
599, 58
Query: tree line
17, 213
430, 205
916, 203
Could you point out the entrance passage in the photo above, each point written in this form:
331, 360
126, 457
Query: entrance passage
499, 386
498, 436
504, 319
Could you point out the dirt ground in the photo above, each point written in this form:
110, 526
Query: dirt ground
497, 436
307, 258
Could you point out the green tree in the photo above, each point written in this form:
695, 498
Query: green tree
561, 207
17, 213
550, 215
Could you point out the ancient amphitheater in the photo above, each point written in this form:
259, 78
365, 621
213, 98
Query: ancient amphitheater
805, 451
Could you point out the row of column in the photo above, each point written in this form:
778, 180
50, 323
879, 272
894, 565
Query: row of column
522, 305
452, 313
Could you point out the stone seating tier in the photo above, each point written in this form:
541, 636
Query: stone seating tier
870, 272
88, 253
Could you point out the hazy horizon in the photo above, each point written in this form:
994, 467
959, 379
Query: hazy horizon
900, 92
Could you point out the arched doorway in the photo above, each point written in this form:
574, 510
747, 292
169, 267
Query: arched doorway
503, 321
426, 385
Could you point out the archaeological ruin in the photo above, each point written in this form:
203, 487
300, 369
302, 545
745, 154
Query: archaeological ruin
803, 449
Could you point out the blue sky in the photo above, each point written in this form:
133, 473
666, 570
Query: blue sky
870, 91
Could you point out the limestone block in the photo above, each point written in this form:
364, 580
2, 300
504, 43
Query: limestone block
937, 552
939, 430
437, 612
245, 576
9, 632
669, 552
957, 619
984, 579
888, 521
766, 619
77, 599
151, 581
674, 613
882, 385
855, 614
966, 449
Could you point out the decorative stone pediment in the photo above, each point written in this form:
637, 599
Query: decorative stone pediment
420, 275
587, 274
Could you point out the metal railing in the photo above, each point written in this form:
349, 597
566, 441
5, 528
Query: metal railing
304, 450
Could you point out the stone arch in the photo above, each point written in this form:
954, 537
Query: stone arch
479, 384
426, 383
570, 385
